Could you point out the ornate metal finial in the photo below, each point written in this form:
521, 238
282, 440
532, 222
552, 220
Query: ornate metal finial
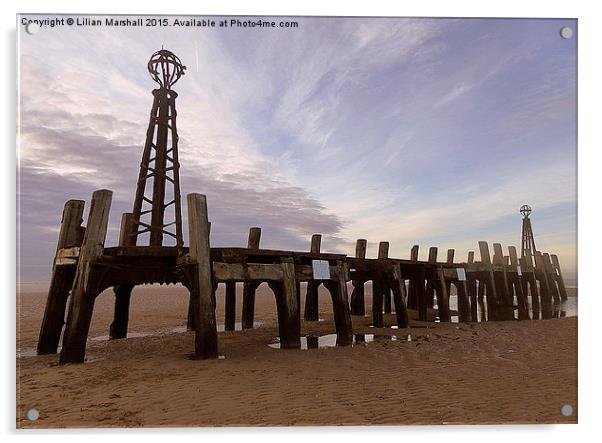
165, 68
525, 210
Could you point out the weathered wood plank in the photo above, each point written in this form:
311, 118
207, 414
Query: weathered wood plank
62, 278
340, 309
81, 305
289, 319
492, 299
249, 288
358, 294
205, 342
412, 294
516, 281
559, 278
311, 312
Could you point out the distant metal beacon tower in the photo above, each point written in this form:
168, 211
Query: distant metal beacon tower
528, 241
160, 160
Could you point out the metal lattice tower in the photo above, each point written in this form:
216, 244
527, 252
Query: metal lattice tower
528, 241
160, 160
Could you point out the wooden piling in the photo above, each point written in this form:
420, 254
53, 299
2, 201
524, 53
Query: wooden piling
515, 279
545, 292
123, 293
398, 287
559, 278
552, 281
450, 260
379, 287
340, 307
289, 320
357, 294
412, 295
205, 341
430, 287
81, 304
471, 286
505, 299
311, 296
230, 306
121, 315
419, 284
530, 283
488, 280
70, 235
383, 252
249, 288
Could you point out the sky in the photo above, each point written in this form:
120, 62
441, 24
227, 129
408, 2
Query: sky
415, 131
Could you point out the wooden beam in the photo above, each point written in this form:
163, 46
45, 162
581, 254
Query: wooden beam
81, 305
205, 342
62, 279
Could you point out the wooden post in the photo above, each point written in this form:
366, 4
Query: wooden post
230, 306
442, 297
249, 288
357, 295
289, 320
450, 260
123, 293
505, 298
70, 234
471, 284
81, 304
544, 287
383, 252
399, 297
492, 299
421, 294
412, 295
312, 312
430, 286
554, 289
516, 282
378, 289
205, 341
340, 306
559, 278
121, 316
481, 300
464, 314
530, 283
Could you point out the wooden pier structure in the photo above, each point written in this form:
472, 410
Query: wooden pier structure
496, 287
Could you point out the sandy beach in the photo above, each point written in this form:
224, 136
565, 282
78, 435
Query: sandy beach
432, 373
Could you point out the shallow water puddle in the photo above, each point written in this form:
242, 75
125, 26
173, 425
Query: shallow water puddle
330, 340
176, 330
30, 352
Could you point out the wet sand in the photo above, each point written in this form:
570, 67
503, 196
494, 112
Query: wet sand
494, 372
